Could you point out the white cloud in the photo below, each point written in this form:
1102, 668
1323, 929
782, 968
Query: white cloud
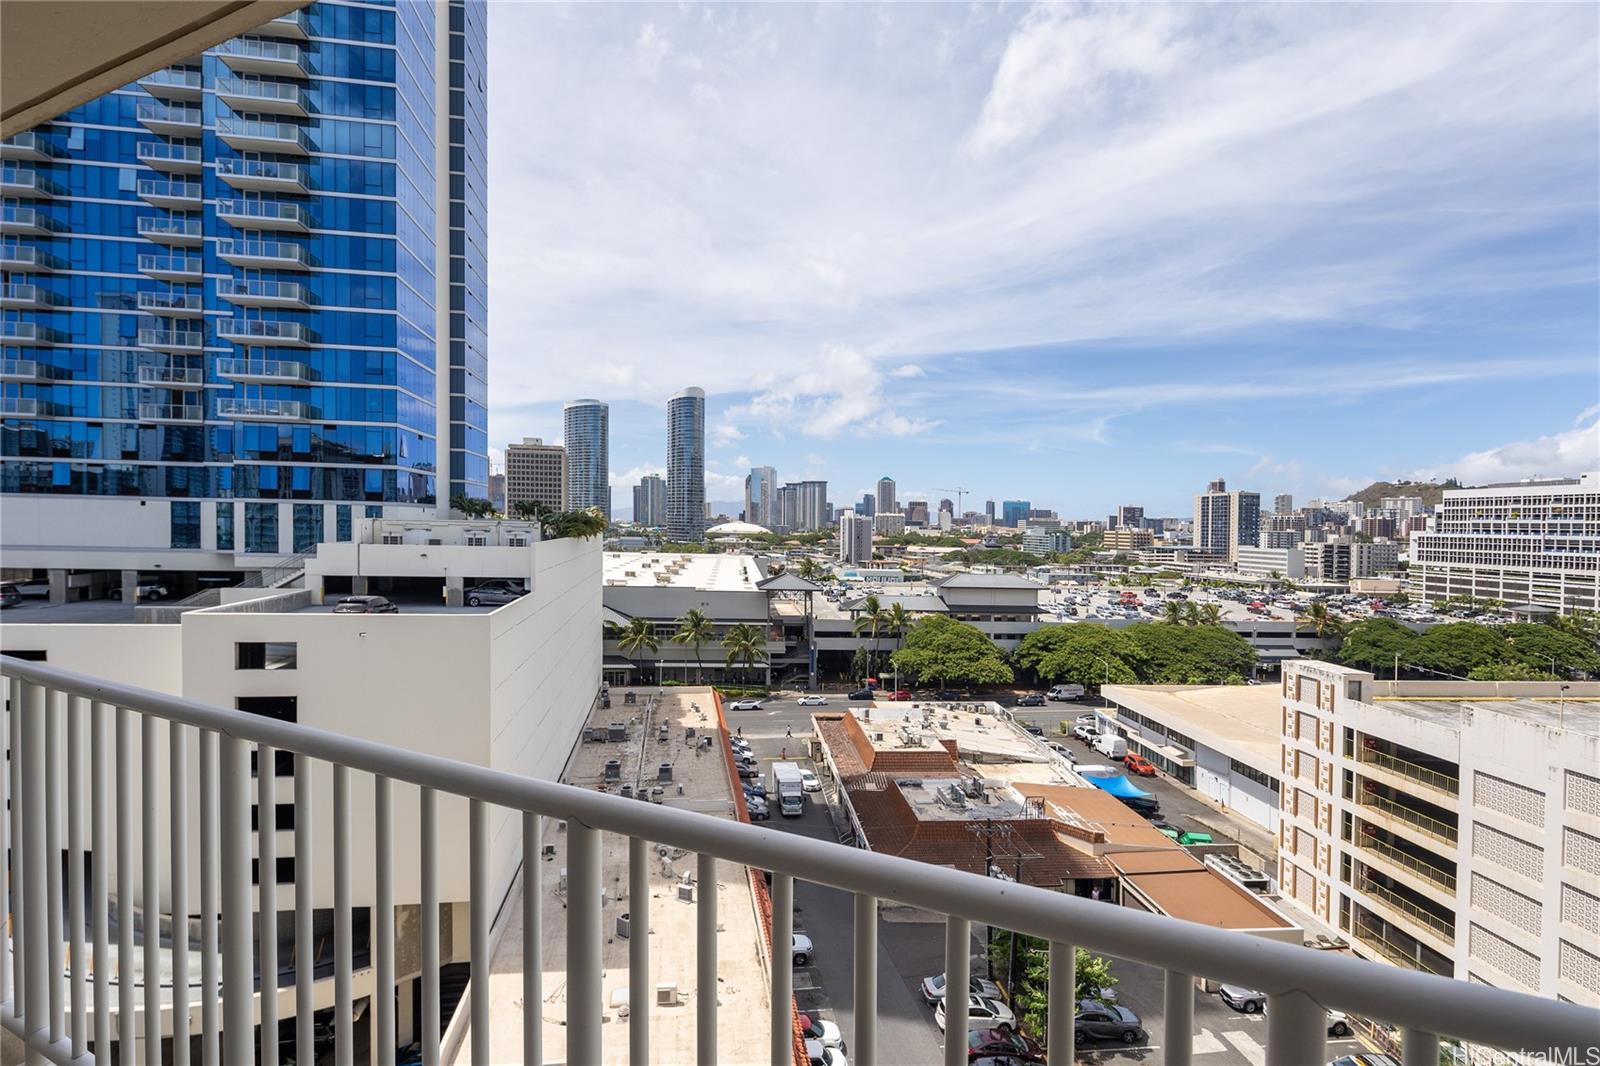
649, 50
1570, 452
626, 479
726, 433
840, 389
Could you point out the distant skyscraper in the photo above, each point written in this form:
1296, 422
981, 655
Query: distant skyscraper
759, 486
650, 501
868, 505
1130, 517
536, 472
855, 538
988, 510
686, 464
497, 491
1014, 511
785, 508
886, 500
1224, 520
811, 505
588, 432
917, 513
1283, 503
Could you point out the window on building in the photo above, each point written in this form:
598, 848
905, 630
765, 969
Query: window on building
185, 523
307, 526
265, 655
341, 523
261, 527
283, 708
224, 527
374, 511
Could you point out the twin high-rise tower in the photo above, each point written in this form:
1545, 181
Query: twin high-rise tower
686, 464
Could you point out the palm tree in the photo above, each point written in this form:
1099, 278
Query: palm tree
1320, 620
1210, 614
809, 569
696, 630
871, 618
638, 637
745, 644
1191, 613
1172, 612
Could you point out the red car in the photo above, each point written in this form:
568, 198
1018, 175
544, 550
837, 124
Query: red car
898, 694
1138, 764
987, 1043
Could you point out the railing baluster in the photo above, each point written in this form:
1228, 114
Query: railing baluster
705, 1037
383, 920
1060, 1002
1297, 1030
210, 979
150, 897
178, 770
639, 990
478, 908
127, 997
1179, 1022
54, 707
864, 1048
957, 977
1418, 1048
343, 1023
75, 949
100, 850
782, 1006
584, 935
34, 986
267, 895
533, 941
305, 947
238, 965
429, 809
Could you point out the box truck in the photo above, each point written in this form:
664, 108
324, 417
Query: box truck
790, 788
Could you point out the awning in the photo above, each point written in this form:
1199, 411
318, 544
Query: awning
614, 616
617, 662
1118, 786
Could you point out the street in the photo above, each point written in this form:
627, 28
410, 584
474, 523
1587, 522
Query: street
911, 950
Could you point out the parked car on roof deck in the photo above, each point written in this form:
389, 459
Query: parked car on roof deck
495, 593
365, 605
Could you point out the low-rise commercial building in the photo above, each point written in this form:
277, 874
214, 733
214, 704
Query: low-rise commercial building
1287, 563
1127, 539
1046, 541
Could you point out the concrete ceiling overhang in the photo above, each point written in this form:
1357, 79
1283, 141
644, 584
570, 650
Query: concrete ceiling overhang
57, 54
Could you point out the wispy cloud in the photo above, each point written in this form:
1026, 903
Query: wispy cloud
1572, 451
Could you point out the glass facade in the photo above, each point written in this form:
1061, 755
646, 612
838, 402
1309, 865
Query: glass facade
686, 465
587, 432
220, 282
469, 250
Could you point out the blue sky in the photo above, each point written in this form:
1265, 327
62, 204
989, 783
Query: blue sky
1084, 255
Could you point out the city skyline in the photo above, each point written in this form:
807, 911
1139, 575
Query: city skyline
1436, 305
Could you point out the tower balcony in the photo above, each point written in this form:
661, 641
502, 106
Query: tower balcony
263, 255
29, 334
295, 26
172, 158
25, 183
250, 292
31, 146
25, 297
26, 371
263, 97
264, 215
262, 175
25, 259
254, 331
279, 59
173, 230
177, 414
260, 135
27, 222
172, 267
264, 371
256, 410
186, 379
172, 304
174, 83
175, 341
169, 194
169, 120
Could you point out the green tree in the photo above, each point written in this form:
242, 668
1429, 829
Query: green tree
636, 638
871, 619
810, 569
1210, 614
1585, 625
1083, 653
1536, 645
471, 506
695, 630
1030, 988
1172, 612
1321, 621
1509, 671
1460, 648
942, 649
746, 644
1375, 643
898, 621
1190, 655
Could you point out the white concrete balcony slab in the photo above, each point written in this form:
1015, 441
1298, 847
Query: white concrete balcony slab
262, 175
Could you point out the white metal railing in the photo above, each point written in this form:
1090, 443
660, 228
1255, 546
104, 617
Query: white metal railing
54, 714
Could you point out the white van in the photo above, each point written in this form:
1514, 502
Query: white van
1111, 745
1062, 693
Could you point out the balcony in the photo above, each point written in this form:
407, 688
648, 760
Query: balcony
1414, 919
177, 341
171, 195
263, 255
1387, 943
24, 407
172, 377
243, 292
29, 334
25, 371
62, 720
259, 135
279, 59
14, 256
27, 222
25, 183
172, 304
1381, 853
173, 230
1411, 773
295, 26
169, 120
264, 215
264, 97
173, 83
255, 331
178, 414
1389, 814
254, 410
172, 267
31, 146
172, 158
261, 175
27, 297
264, 371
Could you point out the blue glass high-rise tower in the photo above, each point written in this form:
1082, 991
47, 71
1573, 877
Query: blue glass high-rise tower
686, 464
243, 299
587, 436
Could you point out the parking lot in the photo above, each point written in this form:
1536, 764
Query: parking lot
909, 950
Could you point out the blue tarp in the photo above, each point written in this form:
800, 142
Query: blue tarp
1118, 786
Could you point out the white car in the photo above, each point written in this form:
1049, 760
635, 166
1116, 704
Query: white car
745, 705
812, 701
1085, 733
933, 988
802, 949
819, 1055
810, 781
982, 1013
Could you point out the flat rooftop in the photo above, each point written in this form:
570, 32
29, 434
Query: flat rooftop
934, 801
1244, 722
709, 573
1578, 713
980, 734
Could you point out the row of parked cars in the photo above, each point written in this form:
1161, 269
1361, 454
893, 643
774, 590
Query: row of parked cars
992, 1033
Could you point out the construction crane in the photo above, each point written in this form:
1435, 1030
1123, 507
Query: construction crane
961, 496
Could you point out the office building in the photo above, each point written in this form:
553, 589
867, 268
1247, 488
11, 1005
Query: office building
886, 499
686, 464
1129, 517
1447, 826
1224, 520
1531, 542
868, 505
759, 485
1283, 503
650, 501
219, 309
892, 524
855, 538
1288, 562
1279, 538
536, 472
1371, 558
1046, 541
988, 510
917, 513
1012, 512
587, 438
810, 505
1126, 539
497, 492
1402, 506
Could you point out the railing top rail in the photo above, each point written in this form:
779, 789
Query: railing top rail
1476, 1013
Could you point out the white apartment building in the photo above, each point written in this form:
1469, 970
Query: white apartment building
889, 525
1530, 542
1447, 826
855, 538
536, 472
1374, 557
1285, 562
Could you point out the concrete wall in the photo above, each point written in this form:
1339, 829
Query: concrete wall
146, 656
